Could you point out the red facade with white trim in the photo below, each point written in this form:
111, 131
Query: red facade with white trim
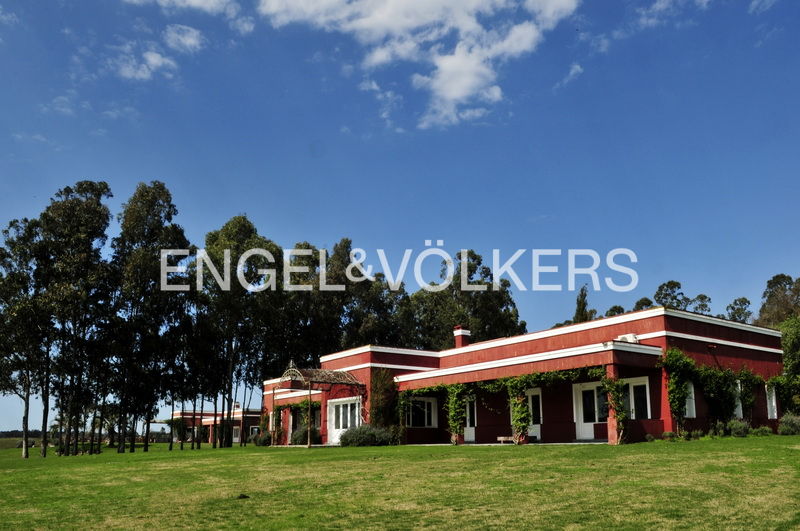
628, 346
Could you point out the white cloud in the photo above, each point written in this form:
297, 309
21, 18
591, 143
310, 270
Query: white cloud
130, 64
575, 70
759, 6
230, 9
7, 17
183, 39
460, 43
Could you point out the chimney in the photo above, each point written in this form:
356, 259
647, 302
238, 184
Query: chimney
461, 336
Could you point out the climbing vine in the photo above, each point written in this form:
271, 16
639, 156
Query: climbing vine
516, 386
680, 370
615, 389
721, 387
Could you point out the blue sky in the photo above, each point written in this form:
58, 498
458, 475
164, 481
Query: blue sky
669, 127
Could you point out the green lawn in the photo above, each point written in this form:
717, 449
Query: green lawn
730, 483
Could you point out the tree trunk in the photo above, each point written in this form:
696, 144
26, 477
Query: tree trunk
45, 407
194, 420
147, 433
101, 423
92, 428
202, 410
121, 429
26, 402
133, 433
171, 421
214, 431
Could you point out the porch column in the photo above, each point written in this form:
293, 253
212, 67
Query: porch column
666, 413
612, 371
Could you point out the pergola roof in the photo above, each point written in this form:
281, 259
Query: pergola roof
318, 376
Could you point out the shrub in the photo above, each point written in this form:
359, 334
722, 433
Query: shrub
263, 439
649, 438
789, 425
687, 435
761, 431
366, 435
718, 429
737, 428
697, 434
668, 436
300, 436
397, 435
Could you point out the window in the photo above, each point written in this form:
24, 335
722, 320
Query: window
602, 405
772, 403
738, 412
342, 414
422, 413
589, 413
691, 410
471, 410
236, 433
640, 402
535, 405
253, 430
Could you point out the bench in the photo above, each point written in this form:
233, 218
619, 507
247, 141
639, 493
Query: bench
503, 440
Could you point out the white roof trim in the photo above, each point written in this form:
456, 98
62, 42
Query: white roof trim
388, 366
375, 348
722, 322
693, 337
293, 394
542, 356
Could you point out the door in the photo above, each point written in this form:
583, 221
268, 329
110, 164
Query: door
590, 408
343, 414
236, 434
469, 425
535, 407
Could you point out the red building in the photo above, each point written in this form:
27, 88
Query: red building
627, 347
201, 424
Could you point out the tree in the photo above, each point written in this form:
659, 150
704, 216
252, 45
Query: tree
642, 304
701, 304
739, 310
780, 299
582, 312
146, 227
24, 321
790, 342
669, 295
237, 312
74, 277
488, 313
615, 310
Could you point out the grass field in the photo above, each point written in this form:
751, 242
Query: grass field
720, 483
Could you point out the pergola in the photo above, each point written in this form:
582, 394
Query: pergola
308, 378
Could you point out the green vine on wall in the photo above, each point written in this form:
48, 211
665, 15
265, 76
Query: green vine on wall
516, 386
615, 389
721, 387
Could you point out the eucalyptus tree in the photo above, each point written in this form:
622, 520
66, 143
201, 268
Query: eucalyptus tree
488, 309
235, 309
24, 321
73, 233
146, 228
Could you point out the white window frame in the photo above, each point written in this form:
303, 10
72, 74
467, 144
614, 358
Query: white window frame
236, 431
639, 380
536, 391
690, 411
738, 413
434, 411
772, 403
340, 402
253, 430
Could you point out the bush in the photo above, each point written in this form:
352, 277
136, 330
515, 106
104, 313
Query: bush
397, 435
300, 436
717, 429
261, 439
366, 435
761, 431
668, 436
697, 434
737, 428
789, 425
649, 438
